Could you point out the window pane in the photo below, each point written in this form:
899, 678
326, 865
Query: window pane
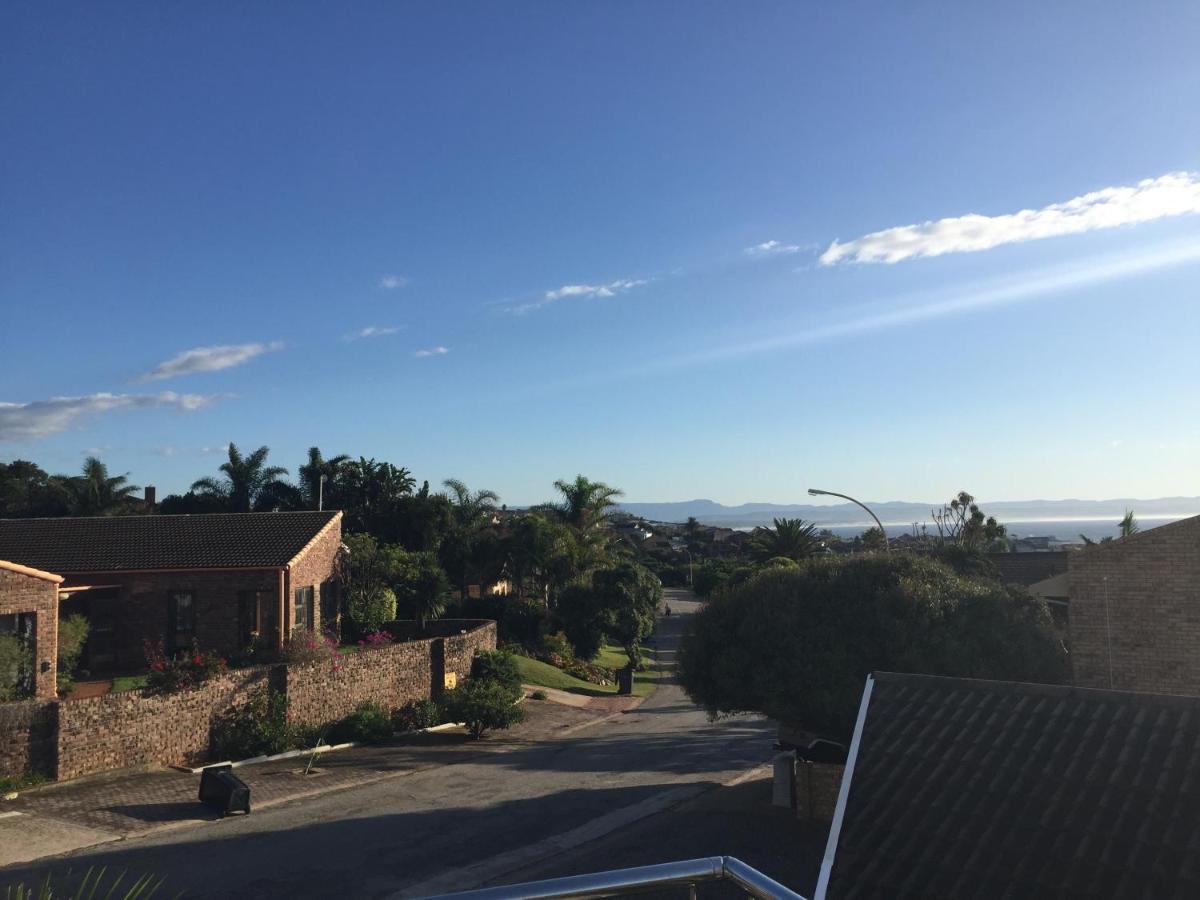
185, 611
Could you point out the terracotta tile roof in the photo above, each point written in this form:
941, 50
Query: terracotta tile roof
1029, 567
118, 543
982, 789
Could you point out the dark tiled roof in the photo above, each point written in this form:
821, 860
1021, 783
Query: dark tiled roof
981, 789
109, 544
1029, 567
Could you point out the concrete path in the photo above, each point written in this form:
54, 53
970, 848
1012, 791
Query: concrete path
509, 802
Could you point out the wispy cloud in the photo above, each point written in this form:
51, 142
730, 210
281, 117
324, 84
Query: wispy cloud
432, 351
392, 282
369, 332
611, 289
774, 248
41, 418
213, 450
208, 359
1174, 194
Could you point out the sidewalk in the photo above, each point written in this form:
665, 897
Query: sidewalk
58, 818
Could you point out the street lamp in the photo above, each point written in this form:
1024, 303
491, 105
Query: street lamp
689, 553
321, 493
813, 492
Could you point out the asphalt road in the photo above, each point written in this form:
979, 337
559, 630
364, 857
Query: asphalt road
461, 825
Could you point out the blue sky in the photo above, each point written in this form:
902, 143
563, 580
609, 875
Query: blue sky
512, 242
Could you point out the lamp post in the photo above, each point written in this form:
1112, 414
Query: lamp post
813, 492
689, 553
321, 493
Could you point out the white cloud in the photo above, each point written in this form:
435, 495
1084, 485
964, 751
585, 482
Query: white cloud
208, 359
771, 248
580, 290
369, 332
1174, 194
41, 418
210, 451
392, 282
432, 351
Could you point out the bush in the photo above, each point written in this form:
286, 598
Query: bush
72, 633
258, 728
369, 610
368, 723
500, 667
16, 662
539, 695
182, 672
482, 706
418, 714
375, 640
797, 644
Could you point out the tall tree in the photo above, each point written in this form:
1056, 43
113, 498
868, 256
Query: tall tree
963, 523
371, 492
1128, 525
249, 483
586, 504
310, 475
792, 539
96, 493
27, 491
471, 512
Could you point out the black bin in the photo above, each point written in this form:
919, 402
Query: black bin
224, 791
625, 680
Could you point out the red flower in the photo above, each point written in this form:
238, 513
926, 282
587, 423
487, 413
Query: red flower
197, 660
159, 666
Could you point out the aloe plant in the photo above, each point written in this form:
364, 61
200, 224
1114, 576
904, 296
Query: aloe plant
95, 885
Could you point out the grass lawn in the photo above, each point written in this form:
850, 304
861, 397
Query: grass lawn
534, 671
128, 683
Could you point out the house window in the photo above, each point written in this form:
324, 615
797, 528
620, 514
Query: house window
181, 620
329, 604
304, 607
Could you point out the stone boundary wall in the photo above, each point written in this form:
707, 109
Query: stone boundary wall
70, 738
117, 731
27, 742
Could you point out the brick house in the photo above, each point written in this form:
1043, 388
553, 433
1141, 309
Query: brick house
223, 581
29, 609
1135, 611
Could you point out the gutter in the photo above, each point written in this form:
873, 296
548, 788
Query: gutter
835, 827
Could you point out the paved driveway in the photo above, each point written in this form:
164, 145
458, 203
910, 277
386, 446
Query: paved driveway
460, 824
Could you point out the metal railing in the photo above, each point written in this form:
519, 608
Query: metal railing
685, 873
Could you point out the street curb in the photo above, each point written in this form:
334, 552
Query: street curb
312, 751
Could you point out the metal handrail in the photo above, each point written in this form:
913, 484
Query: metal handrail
616, 882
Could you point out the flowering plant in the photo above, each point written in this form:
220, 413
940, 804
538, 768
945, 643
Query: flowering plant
306, 646
375, 640
182, 671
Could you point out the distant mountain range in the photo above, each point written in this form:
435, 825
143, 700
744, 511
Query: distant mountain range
899, 512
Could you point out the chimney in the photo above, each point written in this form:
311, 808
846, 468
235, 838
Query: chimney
150, 495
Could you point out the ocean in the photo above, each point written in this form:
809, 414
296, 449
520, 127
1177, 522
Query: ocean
1059, 529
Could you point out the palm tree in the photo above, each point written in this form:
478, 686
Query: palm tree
249, 483
470, 513
96, 493
586, 504
310, 478
790, 538
1128, 524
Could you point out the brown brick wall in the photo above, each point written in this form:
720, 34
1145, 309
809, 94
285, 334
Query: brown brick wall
1142, 596
315, 565
27, 741
817, 786
21, 593
128, 729
140, 608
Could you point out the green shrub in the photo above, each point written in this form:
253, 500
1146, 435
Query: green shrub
72, 633
368, 723
539, 695
181, 672
258, 728
95, 883
16, 661
370, 609
500, 667
482, 706
418, 714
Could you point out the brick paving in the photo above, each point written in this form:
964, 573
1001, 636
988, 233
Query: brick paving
131, 803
